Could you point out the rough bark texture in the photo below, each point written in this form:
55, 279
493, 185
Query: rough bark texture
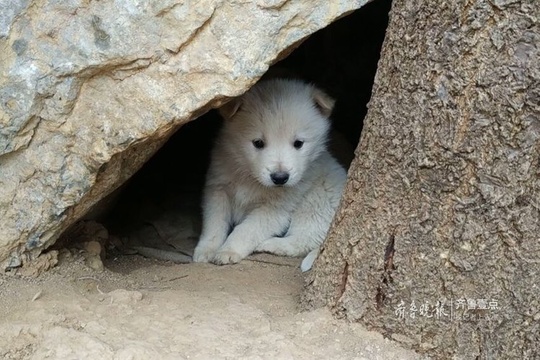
443, 199
89, 90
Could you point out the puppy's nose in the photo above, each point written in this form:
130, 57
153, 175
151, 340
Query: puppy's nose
280, 177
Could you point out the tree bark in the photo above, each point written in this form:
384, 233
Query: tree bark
442, 204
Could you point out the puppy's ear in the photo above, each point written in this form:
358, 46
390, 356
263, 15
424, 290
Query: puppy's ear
323, 102
229, 109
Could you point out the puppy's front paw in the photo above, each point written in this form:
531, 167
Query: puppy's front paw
227, 257
204, 254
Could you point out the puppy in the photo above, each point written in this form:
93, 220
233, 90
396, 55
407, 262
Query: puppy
272, 185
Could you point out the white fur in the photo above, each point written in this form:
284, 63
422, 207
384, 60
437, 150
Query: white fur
292, 219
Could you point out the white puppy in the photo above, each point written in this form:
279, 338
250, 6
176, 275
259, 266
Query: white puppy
272, 186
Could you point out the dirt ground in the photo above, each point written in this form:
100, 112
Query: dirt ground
139, 308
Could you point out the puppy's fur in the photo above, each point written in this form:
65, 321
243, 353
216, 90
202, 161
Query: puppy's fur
272, 185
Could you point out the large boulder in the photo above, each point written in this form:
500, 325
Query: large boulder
90, 90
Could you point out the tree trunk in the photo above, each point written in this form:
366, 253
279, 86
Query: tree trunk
436, 243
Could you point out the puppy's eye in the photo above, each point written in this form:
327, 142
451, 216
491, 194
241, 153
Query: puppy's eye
298, 144
258, 143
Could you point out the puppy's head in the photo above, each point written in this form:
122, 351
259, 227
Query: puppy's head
277, 129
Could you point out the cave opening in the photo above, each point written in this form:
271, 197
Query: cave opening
157, 213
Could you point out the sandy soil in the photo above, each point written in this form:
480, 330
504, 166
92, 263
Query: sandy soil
147, 309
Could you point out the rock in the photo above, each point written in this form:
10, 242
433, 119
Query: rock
35, 267
90, 90
91, 237
94, 262
93, 248
94, 255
